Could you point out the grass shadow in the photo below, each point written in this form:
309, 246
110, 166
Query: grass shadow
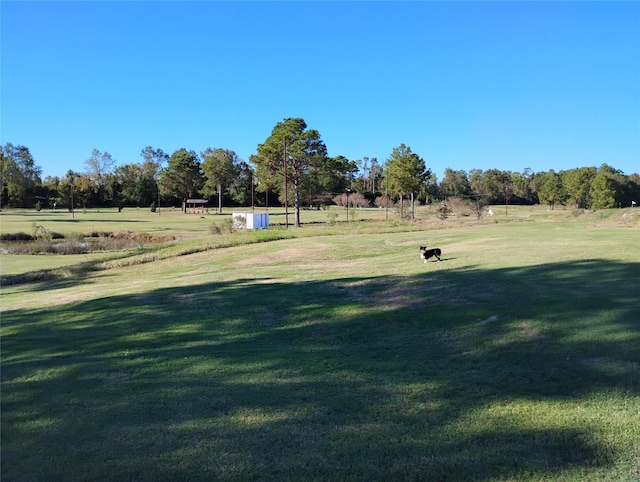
357, 378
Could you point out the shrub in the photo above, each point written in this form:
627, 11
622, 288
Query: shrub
40, 232
214, 228
358, 200
227, 225
459, 207
222, 227
16, 237
384, 202
444, 211
153, 207
38, 206
98, 234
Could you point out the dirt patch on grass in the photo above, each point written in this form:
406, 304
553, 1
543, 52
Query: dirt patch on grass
389, 299
303, 255
399, 299
526, 331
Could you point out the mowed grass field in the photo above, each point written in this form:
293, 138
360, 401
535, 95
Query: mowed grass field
333, 353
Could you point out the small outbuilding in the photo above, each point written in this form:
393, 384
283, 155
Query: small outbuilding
250, 220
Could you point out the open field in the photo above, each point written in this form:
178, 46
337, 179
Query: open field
331, 353
173, 223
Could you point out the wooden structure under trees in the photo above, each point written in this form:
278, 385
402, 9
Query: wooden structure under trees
195, 206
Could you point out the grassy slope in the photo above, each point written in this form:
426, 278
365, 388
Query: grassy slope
334, 358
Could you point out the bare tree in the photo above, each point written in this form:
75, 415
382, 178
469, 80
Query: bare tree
478, 204
98, 167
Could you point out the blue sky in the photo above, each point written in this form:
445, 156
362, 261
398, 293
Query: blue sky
467, 85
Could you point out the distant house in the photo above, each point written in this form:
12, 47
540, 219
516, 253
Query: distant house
195, 206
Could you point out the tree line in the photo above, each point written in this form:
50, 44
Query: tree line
292, 167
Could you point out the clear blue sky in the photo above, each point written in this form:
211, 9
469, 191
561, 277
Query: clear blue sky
467, 85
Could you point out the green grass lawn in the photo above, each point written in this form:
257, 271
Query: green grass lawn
335, 357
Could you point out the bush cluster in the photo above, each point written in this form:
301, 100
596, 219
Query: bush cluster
47, 242
16, 237
223, 227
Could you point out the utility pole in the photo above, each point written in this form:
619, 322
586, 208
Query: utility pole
506, 201
347, 190
73, 214
386, 201
286, 188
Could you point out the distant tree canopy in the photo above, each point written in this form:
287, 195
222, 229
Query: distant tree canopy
455, 184
221, 170
292, 159
19, 177
551, 190
182, 177
312, 178
406, 173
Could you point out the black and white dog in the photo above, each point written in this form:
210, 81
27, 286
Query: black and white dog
429, 253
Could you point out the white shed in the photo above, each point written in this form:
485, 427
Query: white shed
250, 220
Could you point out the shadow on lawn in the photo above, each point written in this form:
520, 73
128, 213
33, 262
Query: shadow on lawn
354, 378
